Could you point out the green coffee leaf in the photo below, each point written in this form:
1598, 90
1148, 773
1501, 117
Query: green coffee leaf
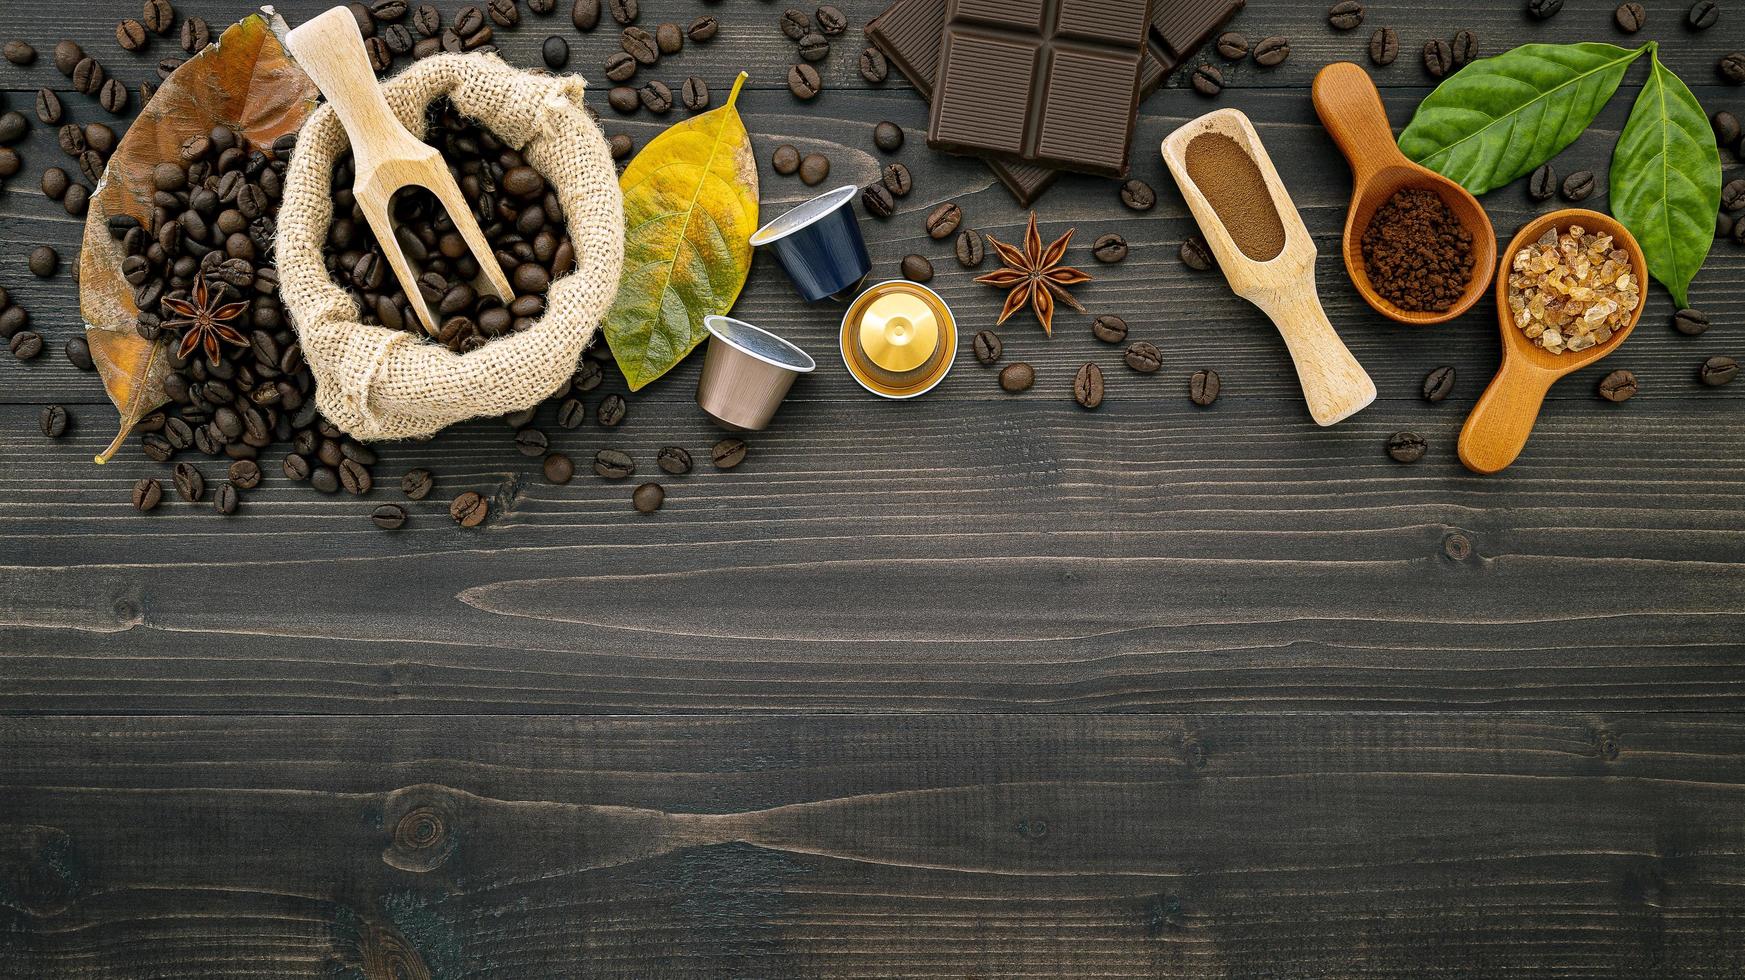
1666, 180
1498, 118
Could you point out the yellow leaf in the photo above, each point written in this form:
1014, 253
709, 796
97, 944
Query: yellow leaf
690, 206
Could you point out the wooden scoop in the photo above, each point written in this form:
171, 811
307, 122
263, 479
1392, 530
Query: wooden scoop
1351, 109
385, 156
1334, 384
1497, 430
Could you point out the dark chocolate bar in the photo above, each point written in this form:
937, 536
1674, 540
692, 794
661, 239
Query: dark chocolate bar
911, 32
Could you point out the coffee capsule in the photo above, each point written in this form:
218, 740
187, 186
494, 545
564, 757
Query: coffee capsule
899, 339
746, 373
819, 245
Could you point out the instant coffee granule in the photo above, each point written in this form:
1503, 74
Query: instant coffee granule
1417, 254
1234, 186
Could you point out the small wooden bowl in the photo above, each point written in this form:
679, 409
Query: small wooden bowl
1497, 430
1351, 109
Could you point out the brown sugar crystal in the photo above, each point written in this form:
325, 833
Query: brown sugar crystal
1417, 254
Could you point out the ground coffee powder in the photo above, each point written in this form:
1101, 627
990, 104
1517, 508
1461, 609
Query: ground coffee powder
1233, 185
1417, 254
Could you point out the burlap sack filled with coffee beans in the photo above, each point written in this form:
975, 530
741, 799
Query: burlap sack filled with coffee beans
379, 383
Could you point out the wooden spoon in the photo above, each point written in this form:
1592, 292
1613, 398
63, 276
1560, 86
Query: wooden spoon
385, 155
1497, 430
1334, 384
1351, 109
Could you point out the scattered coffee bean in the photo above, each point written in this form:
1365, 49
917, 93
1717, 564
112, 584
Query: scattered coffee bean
1578, 186
1109, 248
873, 66
158, 16
620, 67
1438, 58
1703, 15
147, 494
784, 159
1109, 328
943, 220
814, 167
1733, 195
389, 11
388, 517
639, 44
831, 20
225, 499
656, 97
916, 268
245, 473
1232, 46
1732, 68
1618, 386
25, 345
20, 53
55, 183
1017, 376
814, 47
1345, 15
531, 442
703, 29
130, 34
1203, 387
559, 469
1143, 357
1406, 447
623, 98
647, 498
68, 54
988, 347
621, 145
611, 411
1384, 46
53, 421
585, 14
669, 39
1630, 17
197, 34
877, 201
1197, 255
1137, 195
427, 20
970, 250
1717, 371
1207, 79
623, 11
673, 460
44, 261
113, 96
1272, 51
728, 453
589, 375
78, 353
168, 66
1438, 384
89, 76
417, 484
1542, 186
695, 94
888, 136
1691, 323
897, 180
469, 509
1464, 48
1087, 386
794, 23
1544, 9
190, 483
804, 82
555, 52
504, 13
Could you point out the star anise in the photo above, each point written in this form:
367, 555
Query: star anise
1035, 276
204, 322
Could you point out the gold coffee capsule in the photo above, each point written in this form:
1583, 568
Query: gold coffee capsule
899, 339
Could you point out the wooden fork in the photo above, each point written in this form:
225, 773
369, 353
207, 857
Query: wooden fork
385, 156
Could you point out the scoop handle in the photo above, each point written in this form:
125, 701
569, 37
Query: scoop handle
330, 48
1497, 430
1350, 108
1335, 385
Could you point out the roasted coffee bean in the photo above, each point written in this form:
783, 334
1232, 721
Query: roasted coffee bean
100, 138
695, 94
1232, 46
91, 165
1272, 51
916, 268
1109, 248
1207, 79
1438, 58
621, 145
703, 29
147, 494
504, 13
1143, 357
1017, 377
647, 498
814, 47
1717, 371
427, 20
469, 509
1703, 15
620, 67
416, 484
1087, 386
1345, 15
68, 54
1438, 384
669, 39
388, 517
1630, 17
12, 320
943, 220
623, 11
1542, 186
728, 453
877, 201
1544, 9
1137, 195
245, 473
970, 250
89, 76
614, 465
794, 23
78, 353
10, 162
531, 442
656, 97
1578, 186
1732, 68
1618, 386
814, 167
785, 159
1406, 447
225, 499
158, 16
804, 81
197, 34
1464, 48
623, 98
295, 467
381, 56
53, 421
72, 141
585, 14
44, 261
1203, 387
1733, 195
571, 413
25, 345
639, 44
897, 180
1691, 323
470, 20
888, 136
390, 11
355, 477
168, 66
1197, 255
873, 65
611, 410
48, 107
1109, 328
559, 469
190, 483
988, 347
1384, 46
831, 20
130, 34
20, 53
366, 21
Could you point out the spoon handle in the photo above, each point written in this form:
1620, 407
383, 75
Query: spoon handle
1351, 110
1335, 386
1497, 430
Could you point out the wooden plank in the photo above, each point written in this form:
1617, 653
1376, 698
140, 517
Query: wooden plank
1303, 846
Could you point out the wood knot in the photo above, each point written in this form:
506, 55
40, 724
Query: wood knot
1607, 745
388, 956
1034, 828
1457, 546
39, 871
421, 825
1194, 753
1165, 915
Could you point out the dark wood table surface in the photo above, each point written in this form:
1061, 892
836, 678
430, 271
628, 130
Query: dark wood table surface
974, 685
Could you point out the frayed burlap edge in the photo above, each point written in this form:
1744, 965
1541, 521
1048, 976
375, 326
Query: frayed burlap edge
378, 383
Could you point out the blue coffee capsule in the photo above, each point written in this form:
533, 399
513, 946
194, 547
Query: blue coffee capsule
819, 245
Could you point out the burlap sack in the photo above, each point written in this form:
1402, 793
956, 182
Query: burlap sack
377, 383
